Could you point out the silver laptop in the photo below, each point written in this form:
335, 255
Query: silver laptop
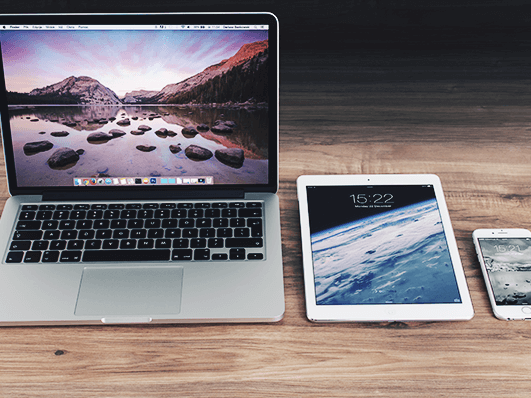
142, 161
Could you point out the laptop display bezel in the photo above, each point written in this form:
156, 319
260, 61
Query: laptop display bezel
148, 19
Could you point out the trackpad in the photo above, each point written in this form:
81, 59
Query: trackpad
120, 291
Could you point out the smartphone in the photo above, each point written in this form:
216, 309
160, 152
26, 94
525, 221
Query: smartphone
505, 258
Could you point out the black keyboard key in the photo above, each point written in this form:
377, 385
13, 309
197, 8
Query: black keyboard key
98, 206
103, 234
128, 244
162, 213
50, 256
50, 224
40, 245
133, 206
111, 214
180, 243
126, 255
84, 224
27, 235
71, 256
67, 224
81, 207
228, 213
138, 233
219, 205
151, 206
93, 244
170, 223
244, 242
116, 206
195, 213
254, 204
155, 233
163, 243
168, 206
237, 222
237, 254
201, 254
172, 233
20, 245
120, 234
86, 234
242, 232
190, 233
75, 244
95, 214
220, 223
213, 213
238, 205
32, 257
224, 233
128, 214
44, 215
145, 214
198, 243
47, 207
179, 213
181, 254
202, 205
254, 222
134, 223
256, 232
110, 244
153, 223
118, 224
186, 223
185, 205
25, 225
57, 245
101, 224
220, 256
203, 223
27, 215
65, 207
51, 234
146, 243
30, 207
61, 215
14, 257
69, 234
255, 256
250, 213
207, 233
78, 215
215, 243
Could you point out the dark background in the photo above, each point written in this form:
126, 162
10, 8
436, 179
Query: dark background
458, 25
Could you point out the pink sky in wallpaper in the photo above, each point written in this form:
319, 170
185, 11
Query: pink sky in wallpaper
120, 60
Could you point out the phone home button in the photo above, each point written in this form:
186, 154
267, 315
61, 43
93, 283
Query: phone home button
526, 310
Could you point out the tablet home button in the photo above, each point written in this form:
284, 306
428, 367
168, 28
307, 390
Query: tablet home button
526, 310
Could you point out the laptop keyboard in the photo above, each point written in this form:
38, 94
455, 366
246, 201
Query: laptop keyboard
66, 233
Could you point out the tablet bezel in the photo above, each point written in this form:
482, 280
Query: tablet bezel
380, 312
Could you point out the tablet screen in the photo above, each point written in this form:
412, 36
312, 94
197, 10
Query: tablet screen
381, 244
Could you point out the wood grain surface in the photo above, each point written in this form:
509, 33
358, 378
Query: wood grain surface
465, 117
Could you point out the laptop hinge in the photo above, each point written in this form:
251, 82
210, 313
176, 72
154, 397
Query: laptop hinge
136, 195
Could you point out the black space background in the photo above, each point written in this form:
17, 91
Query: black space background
443, 25
331, 206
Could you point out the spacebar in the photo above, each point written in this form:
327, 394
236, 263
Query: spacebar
126, 255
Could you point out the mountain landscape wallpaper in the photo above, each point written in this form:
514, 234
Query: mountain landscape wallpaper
174, 103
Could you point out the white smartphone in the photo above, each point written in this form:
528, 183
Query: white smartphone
505, 258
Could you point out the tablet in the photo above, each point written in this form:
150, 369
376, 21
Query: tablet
379, 248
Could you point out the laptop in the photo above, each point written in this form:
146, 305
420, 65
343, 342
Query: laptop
142, 162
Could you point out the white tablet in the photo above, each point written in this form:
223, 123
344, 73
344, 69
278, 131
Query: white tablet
379, 248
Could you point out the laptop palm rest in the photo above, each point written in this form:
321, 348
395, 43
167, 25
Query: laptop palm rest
130, 291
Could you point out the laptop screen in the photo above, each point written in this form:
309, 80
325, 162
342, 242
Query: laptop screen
163, 103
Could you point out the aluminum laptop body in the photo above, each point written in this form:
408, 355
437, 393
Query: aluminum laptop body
142, 160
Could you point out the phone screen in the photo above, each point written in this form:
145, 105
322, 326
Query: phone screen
508, 265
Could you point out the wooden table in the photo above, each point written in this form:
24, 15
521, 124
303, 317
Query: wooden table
465, 117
